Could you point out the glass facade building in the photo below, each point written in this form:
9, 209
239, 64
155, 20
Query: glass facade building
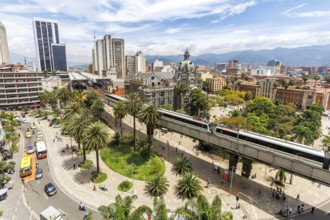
45, 34
59, 57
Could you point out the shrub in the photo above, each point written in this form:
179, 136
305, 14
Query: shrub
125, 186
99, 178
86, 165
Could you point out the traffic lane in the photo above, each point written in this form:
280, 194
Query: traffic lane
39, 200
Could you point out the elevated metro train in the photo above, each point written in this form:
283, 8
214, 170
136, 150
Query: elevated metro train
287, 147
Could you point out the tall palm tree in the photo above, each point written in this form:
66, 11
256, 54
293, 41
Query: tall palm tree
201, 209
150, 116
133, 106
95, 138
74, 107
77, 125
120, 111
43, 97
121, 209
80, 97
182, 166
97, 107
157, 186
188, 187
63, 94
181, 89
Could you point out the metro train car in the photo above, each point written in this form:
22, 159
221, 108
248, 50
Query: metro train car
277, 144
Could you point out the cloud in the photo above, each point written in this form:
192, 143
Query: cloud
290, 12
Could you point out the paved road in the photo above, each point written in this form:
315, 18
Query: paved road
37, 198
320, 213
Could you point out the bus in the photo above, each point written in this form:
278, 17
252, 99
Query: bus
41, 150
26, 166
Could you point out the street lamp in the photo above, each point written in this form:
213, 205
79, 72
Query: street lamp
132, 177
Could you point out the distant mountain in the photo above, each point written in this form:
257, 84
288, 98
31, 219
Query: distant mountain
317, 55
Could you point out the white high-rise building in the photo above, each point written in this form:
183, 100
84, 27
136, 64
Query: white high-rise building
109, 53
140, 62
4, 51
130, 64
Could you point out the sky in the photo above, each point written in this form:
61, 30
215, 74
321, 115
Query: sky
168, 27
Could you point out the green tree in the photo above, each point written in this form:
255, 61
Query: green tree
198, 101
64, 95
95, 138
116, 138
97, 107
150, 116
182, 111
260, 105
205, 86
120, 111
305, 78
160, 211
248, 96
122, 208
181, 89
167, 107
77, 125
201, 209
57, 111
182, 166
246, 167
74, 107
188, 187
157, 186
133, 106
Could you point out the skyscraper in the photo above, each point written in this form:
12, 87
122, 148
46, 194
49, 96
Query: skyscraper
140, 62
51, 54
4, 51
109, 53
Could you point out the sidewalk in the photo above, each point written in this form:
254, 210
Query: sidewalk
76, 183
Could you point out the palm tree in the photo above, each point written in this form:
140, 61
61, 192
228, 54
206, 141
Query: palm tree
97, 107
160, 212
181, 89
43, 97
77, 125
57, 111
116, 138
202, 209
95, 138
120, 111
80, 97
157, 186
121, 209
188, 187
63, 94
182, 166
74, 107
150, 116
305, 78
133, 106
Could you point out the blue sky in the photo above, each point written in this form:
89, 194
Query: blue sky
167, 27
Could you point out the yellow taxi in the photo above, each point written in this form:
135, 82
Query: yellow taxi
28, 134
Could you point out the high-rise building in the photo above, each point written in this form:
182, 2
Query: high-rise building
109, 53
130, 64
140, 62
51, 54
4, 51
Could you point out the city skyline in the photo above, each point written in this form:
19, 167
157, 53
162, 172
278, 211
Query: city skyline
168, 27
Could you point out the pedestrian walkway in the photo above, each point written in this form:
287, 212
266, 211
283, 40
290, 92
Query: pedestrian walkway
76, 182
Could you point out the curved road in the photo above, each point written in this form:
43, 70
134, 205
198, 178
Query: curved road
38, 200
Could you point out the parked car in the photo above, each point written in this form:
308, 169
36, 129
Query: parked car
50, 189
32, 126
39, 173
30, 150
24, 120
7, 154
28, 134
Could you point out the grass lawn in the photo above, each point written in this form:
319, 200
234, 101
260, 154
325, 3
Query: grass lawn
100, 178
120, 159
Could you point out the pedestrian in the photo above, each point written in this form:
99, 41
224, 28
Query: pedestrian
54, 140
273, 194
74, 166
298, 208
313, 208
298, 197
94, 189
179, 142
176, 149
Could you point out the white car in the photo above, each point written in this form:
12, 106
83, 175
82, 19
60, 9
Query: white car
25, 121
28, 134
30, 150
32, 126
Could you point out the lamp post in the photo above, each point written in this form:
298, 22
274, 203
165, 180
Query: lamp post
132, 177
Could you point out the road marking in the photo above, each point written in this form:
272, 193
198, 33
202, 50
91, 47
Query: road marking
13, 217
46, 196
38, 182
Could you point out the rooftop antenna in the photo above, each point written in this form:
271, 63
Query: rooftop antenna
25, 61
94, 36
